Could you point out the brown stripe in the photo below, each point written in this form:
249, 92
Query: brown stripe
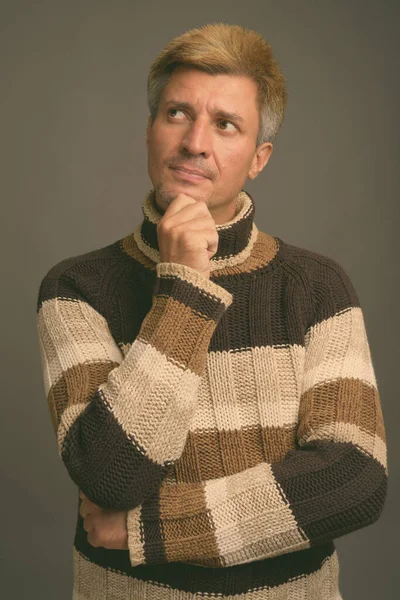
263, 252
341, 401
76, 385
173, 329
130, 248
180, 533
211, 454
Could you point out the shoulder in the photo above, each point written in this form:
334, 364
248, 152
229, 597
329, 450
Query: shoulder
79, 277
329, 286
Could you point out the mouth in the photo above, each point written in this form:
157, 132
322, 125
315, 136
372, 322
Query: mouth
189, 175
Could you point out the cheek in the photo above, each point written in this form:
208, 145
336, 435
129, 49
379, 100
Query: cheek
231, 162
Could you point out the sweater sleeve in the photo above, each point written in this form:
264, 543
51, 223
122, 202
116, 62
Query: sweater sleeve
332, 483
122, 422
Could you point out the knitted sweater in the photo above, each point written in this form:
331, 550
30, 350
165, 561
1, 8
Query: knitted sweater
237, 418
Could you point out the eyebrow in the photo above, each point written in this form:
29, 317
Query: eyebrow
222, 114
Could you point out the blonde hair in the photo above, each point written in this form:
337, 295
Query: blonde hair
227, 49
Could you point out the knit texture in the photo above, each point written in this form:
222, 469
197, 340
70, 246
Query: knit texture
237, 419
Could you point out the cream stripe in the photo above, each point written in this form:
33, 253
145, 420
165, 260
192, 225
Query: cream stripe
248, 510
348, 432
73, 333
136, 549
68, 418
215, 264
259, 386
238, 258
148, 379
91, 582
338, 348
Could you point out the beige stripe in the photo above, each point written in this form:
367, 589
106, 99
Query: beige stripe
266, 392
251, 507
148, 379
72, 333
91, 582
145, 378
348, 432
338, 347
260, 386
135, 545
68, 418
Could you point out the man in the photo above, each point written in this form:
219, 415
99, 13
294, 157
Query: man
211, 386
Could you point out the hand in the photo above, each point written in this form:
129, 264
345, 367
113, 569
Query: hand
187, 234
105, 527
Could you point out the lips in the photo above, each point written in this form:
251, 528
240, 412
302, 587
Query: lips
190, 171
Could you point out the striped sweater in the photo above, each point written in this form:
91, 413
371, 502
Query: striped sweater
236, 419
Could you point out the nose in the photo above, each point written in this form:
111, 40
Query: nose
197, 138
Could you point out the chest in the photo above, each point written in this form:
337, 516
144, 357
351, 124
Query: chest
248, 397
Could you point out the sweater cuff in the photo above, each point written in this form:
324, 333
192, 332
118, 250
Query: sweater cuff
135, 537
170, 270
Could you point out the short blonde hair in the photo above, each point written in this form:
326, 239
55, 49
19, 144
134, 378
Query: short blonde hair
230, 49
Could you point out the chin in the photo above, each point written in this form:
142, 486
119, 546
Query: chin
168, 192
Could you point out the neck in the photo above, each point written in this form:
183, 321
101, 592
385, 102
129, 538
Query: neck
236, 236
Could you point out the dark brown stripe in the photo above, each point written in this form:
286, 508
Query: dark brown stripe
332, 488
329, 288
112, 470
266, 573
189, 294
80, 277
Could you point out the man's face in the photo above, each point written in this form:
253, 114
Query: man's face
207, 123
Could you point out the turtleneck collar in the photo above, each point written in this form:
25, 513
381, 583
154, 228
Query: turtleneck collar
236, 237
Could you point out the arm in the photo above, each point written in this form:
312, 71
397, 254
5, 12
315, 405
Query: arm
122, 422
334, 482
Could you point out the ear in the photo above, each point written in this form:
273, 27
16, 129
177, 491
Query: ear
260, 159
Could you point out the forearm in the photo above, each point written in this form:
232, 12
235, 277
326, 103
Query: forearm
333, 482
314, 495
120, 428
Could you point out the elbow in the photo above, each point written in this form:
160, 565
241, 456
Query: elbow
368, 504
375, 503
122, 491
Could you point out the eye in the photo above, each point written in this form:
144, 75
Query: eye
174, 110
229, 123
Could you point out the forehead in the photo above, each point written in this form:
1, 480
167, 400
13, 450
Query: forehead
227, 91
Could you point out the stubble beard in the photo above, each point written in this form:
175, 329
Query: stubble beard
168, 196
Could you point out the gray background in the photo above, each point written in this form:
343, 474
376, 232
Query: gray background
74, 174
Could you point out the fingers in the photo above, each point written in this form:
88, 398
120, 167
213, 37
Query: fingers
178, 203
184, 208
